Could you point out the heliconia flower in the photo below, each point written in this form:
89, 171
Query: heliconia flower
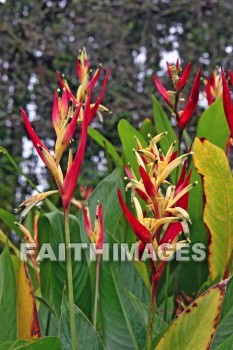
29, 203
169, 208
213, 87
82, 68
191, 104
227, 103
95, 235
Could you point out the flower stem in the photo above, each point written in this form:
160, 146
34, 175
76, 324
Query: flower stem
97, 279
70, 280
151, 315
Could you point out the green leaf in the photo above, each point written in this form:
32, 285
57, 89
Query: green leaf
211, 162
122, 328
106, 193
142, 312
162, 124
226, 345
224, 330
53, 273
147, 128
195, 327
103, 142
8, 307
51, 343
213, 125
127, 133
10, 220
86, 335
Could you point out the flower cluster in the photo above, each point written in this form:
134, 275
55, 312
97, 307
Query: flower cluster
174, 97
68, 112
165, 216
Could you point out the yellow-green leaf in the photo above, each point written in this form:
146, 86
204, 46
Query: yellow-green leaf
211, 162
196, 325
28, 323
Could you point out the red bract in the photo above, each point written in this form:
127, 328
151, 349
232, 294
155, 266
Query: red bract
227, 103
184, 77
162, 90
74, 171
192, 103
43, 151
208, 91
141, 231
100, 225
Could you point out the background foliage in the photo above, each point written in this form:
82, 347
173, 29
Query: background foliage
130, 37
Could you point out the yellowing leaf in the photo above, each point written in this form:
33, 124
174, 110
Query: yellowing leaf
195, 327
28, 323
211, 162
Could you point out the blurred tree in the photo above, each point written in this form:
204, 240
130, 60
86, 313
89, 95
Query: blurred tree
131, 37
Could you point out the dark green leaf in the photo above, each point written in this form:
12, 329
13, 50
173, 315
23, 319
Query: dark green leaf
8, 314
86, 336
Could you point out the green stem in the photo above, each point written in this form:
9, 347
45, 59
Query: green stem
151, 315
70, 280
97, 280
166, 291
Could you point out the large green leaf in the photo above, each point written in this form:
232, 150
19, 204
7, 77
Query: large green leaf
213, 125
122, 328
86, 335
103, 142
162, 123
53, 273
127, 133
224, 330
8, 308
51, 343
196, 325
212, 164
